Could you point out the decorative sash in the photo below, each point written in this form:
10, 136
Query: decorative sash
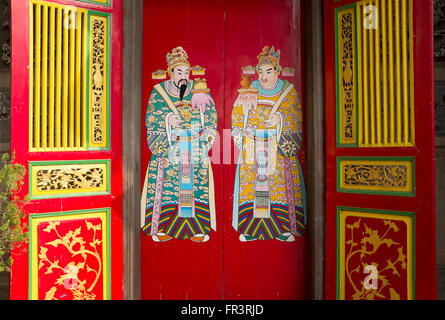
290, 195
158, 197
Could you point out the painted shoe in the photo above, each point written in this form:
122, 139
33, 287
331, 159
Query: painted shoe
286, 237
246, 238
161, 237
200, 238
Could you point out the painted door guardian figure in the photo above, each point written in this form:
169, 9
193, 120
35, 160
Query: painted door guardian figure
269, 193
181, 119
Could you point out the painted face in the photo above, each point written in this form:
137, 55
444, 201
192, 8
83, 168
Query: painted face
267, 75
180, 75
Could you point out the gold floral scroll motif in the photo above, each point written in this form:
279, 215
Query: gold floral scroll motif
375, 255
98, 81
377, 176
53, 180
346, 62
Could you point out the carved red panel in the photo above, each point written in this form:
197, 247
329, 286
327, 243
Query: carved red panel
375, 255
70, 257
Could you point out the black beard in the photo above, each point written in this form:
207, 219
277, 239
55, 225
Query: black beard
182, 90
182, 87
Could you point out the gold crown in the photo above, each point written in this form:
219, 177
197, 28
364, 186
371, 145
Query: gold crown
198, 71
248, 70
269, 56
288, 72
159, 74
177, 57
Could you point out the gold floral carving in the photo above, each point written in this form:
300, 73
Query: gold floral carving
98, 80
76, 246
70, 178
367, 247
347, 108
375, 175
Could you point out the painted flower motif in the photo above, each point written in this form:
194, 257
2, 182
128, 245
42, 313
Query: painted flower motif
288, 147
151, 119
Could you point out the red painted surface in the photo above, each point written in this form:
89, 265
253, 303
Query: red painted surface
423, 204
182, 269
20, 134
67, 283
260, 269
360, 234
222, 36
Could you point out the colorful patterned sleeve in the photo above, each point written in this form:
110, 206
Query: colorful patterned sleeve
157, 139
209, 134
291, 134
237, 124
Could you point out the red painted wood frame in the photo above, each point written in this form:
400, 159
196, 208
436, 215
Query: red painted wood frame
423, 204
20, 31
222, 36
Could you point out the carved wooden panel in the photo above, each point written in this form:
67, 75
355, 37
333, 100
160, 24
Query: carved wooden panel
5, 34
347, 77
98, 81
393, 176
69, 255
376, 255
69, 179
439, 29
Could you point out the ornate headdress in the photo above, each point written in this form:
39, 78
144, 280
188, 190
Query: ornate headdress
269, 56
177, 57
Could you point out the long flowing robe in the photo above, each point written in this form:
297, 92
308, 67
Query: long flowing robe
179, 196
269, 193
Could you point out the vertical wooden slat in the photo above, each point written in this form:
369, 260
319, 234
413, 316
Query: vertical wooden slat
51, 105
385, 71
44, 103
360, 72
37, 77
65, 80
391, 74
411, 57
398, 72
372, 58
58, 120
365, 84
84, 80
405, 74
378, 84
31, 76
72, 77
78, 79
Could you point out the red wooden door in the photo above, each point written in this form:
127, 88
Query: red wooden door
66, 129
225, 38
182, 269
380, 190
